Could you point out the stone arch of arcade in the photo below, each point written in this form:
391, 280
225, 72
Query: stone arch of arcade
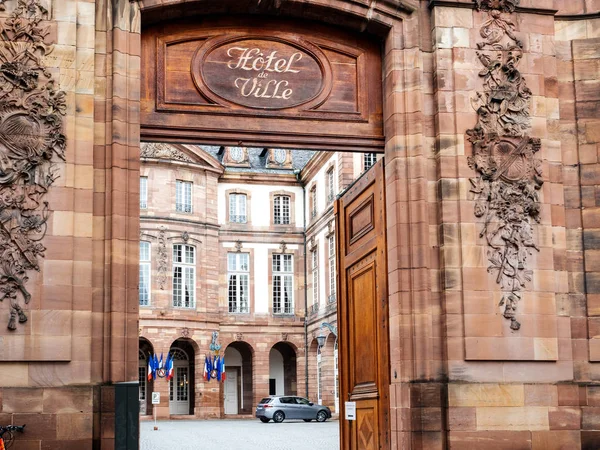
241, 378
283, 369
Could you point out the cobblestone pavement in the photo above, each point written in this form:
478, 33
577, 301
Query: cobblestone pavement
239, 435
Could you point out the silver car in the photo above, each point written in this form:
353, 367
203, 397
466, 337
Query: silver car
284, 407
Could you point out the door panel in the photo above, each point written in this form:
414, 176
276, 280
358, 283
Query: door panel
231, 391
363, 312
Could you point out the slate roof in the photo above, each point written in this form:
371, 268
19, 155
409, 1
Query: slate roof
257, 163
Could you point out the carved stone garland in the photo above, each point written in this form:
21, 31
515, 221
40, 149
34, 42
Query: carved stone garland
162, 151
509, 174
31, 110
162, 258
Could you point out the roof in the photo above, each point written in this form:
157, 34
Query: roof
258, 163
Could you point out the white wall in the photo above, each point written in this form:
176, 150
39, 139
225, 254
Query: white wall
321, 181
260, 202
276, 370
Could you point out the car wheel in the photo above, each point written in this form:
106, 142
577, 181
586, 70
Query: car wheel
278, 417
264, 420
321, 416
307, 420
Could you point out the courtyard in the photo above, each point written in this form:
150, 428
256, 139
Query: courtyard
239, 435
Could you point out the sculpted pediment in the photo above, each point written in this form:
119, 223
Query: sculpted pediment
181, 153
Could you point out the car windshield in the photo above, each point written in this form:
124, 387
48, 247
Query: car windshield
266, 400
302, 401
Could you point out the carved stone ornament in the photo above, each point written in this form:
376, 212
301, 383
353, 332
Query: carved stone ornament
238, 246
507, 6
239, 336
283, 247
162, 258
31, 111
162, 151
284, 336
509, 174
185, 236
185, 332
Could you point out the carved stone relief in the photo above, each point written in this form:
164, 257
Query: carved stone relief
162, 151
31, 110
509, 173
238, 246
162, 258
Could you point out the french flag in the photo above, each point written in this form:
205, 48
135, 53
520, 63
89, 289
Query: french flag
169, 367
150, 368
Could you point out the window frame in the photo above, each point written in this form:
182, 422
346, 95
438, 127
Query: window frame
184, 276
230, 217
313, 201
181, 196
143, 192
330, 181
332, 280
240, 274
281, 207
314, 257
145, 264
369, 160
282, 275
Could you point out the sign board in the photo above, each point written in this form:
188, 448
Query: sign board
350, 410
156, 398
260, 82
261, 72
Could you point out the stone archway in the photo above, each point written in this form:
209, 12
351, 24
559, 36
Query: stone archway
182, 388
282, 370
238, 395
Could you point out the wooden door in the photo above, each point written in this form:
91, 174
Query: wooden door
363, 312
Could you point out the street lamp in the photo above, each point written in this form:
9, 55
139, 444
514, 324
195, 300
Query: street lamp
321, 339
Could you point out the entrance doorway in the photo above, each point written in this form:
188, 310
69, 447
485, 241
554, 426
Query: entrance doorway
276, 252
179, 387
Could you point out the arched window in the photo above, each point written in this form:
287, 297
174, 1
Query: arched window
184, 276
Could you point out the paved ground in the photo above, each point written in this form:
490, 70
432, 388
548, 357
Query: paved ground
240, 435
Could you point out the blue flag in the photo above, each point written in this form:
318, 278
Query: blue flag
160, 364
218, 367
155, 364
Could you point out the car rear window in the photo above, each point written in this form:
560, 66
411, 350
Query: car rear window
266, 400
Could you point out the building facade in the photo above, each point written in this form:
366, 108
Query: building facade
487, 113
223, 237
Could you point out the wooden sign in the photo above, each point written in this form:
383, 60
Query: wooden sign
263, 73
261, 82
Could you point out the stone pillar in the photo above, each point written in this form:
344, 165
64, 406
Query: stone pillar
80, 337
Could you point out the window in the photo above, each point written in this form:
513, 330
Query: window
238, 282
319, 385
283, 284
143, 192
144, 287
331, 241
315, 276
368, 160
184, 276
237, 208
330, 185
183, 196
281, 210
313, 202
